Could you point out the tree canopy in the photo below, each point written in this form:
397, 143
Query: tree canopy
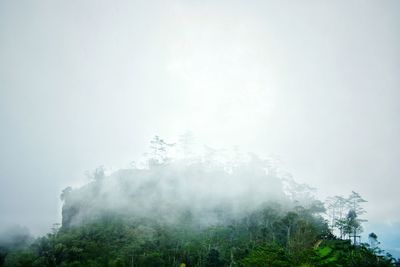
199, 212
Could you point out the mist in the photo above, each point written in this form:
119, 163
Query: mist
213, 187
84, 84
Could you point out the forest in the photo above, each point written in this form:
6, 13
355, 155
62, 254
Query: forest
199, 210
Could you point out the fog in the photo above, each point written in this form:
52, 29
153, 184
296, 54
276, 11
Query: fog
212, 187
313, 84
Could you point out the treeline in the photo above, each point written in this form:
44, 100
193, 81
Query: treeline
266, 237
199, 210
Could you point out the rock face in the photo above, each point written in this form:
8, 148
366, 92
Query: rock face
211, 193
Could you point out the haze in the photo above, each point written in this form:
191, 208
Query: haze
88, 83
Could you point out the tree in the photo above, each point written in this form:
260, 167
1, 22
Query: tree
336, 207
355, 201
349, 225
373, 240
213, 259
353, 225
159, 150
270, 255
353, 216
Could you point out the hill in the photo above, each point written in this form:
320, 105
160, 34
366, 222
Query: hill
196, 212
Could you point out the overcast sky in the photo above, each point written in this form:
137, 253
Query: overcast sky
88, 83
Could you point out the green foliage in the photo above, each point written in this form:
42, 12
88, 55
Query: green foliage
213, 259
339, 252
269, 255
152, 218
263, 238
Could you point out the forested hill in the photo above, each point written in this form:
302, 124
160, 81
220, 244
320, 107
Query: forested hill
200, 211
212, 193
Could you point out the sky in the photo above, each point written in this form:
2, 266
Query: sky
89, 83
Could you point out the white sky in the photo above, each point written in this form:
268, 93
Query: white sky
88, 83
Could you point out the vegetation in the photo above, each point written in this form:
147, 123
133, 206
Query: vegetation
199, 212
263, 238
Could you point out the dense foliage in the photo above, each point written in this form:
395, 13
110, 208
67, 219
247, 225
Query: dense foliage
267, 237
199, 212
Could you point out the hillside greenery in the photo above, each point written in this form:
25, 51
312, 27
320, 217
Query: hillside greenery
199, 211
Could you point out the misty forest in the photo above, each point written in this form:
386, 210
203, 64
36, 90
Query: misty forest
179, 208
